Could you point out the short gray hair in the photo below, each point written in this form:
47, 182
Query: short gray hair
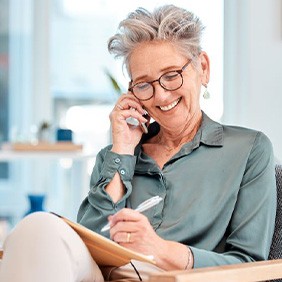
166, 23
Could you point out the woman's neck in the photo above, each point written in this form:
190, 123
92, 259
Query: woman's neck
173, 139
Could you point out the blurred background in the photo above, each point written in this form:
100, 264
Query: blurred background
55, 72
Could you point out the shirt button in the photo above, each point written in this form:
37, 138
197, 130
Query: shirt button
117, 160
122, 171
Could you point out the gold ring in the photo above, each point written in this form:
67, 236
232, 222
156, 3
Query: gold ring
128, 237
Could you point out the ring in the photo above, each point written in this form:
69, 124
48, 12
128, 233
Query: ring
120, 106
128, 237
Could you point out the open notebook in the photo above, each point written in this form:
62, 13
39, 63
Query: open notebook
103, 250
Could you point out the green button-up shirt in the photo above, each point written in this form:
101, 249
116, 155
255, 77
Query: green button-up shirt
219, 193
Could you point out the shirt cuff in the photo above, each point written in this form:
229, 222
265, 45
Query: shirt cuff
204, 258
123, 164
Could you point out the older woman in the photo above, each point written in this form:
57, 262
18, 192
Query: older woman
217, 182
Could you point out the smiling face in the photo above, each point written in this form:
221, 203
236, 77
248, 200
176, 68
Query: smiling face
176, 109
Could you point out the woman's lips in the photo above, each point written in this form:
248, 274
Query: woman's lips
170, 106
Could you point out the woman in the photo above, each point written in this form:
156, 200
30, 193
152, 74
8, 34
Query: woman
217, 182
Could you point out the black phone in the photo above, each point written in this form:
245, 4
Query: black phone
144, 124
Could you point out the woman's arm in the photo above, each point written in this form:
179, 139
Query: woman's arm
111, 178
99, 204
250, 230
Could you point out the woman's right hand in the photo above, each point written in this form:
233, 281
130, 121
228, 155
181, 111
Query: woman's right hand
125, 136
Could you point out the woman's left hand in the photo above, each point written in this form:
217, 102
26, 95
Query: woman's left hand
132, 230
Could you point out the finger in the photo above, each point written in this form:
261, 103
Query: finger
128, 220
126, 214
138, 115
124, 237
123, 227
128, 95
123, 222
128, 103
125, 114
119, 107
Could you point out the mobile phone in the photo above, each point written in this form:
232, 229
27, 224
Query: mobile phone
135, 122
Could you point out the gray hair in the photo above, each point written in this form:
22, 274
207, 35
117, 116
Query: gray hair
166, 23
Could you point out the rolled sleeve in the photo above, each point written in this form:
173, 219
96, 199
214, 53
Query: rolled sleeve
95, 209
123, 164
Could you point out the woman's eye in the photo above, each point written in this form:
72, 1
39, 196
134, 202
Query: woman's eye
142, 86
170, 76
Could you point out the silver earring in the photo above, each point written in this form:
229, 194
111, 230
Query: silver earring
206, 93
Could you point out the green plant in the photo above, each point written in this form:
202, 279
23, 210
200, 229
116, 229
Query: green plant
113, 81
44, 125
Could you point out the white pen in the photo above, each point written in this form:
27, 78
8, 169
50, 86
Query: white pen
141, 208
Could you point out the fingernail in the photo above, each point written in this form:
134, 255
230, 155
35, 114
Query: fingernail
144, 127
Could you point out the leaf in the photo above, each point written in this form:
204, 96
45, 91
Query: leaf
113, 81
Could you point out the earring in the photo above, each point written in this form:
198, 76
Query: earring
206, 93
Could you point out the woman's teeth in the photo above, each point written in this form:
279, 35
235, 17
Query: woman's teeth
171, 106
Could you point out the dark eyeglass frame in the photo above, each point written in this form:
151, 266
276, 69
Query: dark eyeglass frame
159, 81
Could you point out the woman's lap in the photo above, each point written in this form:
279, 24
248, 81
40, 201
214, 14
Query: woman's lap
42, 247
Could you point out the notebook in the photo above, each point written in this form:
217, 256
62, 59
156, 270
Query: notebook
104, 251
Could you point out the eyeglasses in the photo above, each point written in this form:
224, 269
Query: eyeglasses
170, 81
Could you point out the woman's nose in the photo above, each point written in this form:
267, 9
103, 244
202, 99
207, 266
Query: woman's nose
160, 91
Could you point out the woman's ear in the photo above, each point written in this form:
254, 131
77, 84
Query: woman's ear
205, 67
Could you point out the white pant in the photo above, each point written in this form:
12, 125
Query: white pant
43, 248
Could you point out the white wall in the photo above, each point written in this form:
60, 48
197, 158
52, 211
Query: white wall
253, 67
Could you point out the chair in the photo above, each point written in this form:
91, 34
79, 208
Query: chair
252, 271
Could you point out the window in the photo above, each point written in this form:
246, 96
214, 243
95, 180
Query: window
4, 52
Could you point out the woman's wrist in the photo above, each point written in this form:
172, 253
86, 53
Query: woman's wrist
180, 256
123, 149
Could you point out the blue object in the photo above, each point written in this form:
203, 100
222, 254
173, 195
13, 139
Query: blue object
36, 202
64, 135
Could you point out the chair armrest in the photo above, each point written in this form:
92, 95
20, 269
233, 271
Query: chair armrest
245, 272
1, 254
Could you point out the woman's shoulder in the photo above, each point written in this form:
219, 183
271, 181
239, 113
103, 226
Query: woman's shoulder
245, 135
235, 135
240, 131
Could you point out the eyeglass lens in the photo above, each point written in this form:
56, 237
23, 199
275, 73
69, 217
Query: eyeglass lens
169, 81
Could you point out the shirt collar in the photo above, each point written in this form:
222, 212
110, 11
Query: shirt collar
212, 132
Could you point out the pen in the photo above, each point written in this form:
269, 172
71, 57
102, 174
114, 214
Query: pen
141, 208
